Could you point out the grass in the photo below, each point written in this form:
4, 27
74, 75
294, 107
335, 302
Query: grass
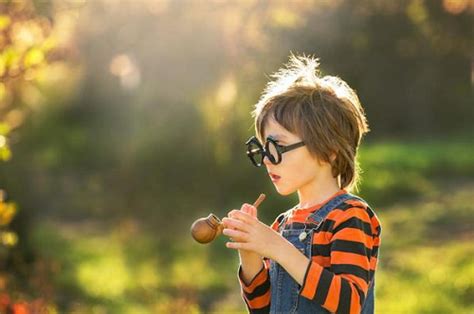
393, 172
422, 193
426, 257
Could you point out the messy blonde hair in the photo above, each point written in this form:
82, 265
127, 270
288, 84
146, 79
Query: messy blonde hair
323, 110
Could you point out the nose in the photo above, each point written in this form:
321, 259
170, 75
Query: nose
266, 160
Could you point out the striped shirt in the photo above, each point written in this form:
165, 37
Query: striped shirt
343, 262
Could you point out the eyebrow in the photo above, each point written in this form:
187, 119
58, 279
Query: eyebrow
278, 136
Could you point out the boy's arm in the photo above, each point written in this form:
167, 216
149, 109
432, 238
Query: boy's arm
250, 265
343, 287
256, 292
254, 279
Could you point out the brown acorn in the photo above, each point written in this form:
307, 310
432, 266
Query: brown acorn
205, 230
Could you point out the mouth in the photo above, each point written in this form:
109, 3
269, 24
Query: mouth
274, 177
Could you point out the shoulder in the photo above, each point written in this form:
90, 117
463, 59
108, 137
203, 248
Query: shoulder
356, 210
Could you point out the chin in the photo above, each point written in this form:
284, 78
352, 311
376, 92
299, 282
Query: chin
284, 192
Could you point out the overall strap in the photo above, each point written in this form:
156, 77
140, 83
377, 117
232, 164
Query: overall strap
319, 215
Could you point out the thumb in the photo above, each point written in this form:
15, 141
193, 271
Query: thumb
254, 212
249, 209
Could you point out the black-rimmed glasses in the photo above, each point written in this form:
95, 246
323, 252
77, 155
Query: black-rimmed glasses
274, 151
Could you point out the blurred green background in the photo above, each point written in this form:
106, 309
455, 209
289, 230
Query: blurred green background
121, 122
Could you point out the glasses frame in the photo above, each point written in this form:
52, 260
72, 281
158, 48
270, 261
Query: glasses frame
264, 151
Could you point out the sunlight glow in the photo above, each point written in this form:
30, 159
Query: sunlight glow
3, 141
126, 69
456, 6
226, 92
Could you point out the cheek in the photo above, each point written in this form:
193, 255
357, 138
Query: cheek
299, 162
297, 170
300, 168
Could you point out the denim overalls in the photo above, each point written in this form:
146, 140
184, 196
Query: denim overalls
285, 297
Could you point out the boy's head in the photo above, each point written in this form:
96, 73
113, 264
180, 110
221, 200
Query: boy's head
321, 110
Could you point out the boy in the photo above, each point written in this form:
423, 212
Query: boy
321, 255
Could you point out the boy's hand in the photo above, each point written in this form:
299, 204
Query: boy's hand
250, 234
249, 209
252, 211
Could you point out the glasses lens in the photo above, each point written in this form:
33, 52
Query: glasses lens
254, 151
273, 152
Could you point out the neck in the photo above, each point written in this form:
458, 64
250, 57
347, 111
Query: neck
317, 192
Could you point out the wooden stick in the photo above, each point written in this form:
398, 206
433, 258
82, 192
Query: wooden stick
259, 200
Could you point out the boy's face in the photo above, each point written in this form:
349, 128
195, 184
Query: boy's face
298, 169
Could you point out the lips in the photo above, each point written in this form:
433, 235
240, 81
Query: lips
273, 176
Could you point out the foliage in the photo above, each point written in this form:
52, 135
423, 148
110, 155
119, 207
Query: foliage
32, 53
133, 116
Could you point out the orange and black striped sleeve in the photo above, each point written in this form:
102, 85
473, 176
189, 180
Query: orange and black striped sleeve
338, 277
257, 293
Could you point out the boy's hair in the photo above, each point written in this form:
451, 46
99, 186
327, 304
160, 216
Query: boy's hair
323, 110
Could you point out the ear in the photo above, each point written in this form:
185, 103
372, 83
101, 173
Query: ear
333, 157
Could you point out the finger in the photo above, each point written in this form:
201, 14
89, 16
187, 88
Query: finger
243, 217
232, 213
231, 223
236, 235
253, 212
249, 209
246, 208
238, 246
